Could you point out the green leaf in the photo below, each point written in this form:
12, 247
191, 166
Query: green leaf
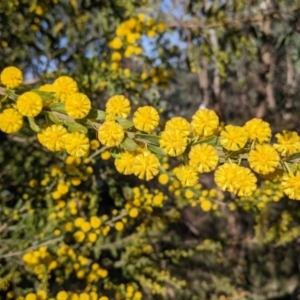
115, 152
53, 118
58, 106
124, 122
46, 96
152, 139
211, 141
129, 144
75, 127
295, 156
87, 122
156, 150
33, 125
96, 114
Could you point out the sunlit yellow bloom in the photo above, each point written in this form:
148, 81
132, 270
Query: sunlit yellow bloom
64, 86
77, 105
116, 43
288, 143
132, 37
173, 142
291, 185
124, 162
119, 106
145, 165
204, 158
122, 30
110, 134
133, 212
31, 296
29, 104
95, 222
119, 226
116, 56
180, 124
163, 178
264, 159
226, 177
11, 121
258, 130
76, 144
105, 155
205, 122
246, 182
151, 33
53, 137
62, 295
187, 175
79, 236
206, 205
233, 138
11, 77
146, 118
94, 144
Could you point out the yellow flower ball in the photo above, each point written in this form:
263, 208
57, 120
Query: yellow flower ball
146, 118
173, 142
116, 56
105, 155
29, 104
288, 143
145, 165
115, 44
79, 236
11, 121
53, 137
110, 134
187, 175
64, 86
102, 273
92, 237
119, 106
124, 162
95, 222
85, 226
204, 158
76, 144
11, 77
77, 105
258, 130
179, 123
264, 159
94, 144
62, 295
163, 178
291, 185
226, 175
31, 296
133, 212
233, 138
206, 205
205, 122
119, 226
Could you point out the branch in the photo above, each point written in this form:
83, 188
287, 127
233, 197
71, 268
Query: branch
18, 253
254, 19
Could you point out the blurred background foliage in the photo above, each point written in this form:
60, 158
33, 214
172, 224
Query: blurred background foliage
240, 58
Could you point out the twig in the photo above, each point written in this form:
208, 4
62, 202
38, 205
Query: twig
18, 253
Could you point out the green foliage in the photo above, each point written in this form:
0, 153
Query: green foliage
156, 240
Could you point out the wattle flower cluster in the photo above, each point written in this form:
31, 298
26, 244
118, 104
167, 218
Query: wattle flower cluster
237, 154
